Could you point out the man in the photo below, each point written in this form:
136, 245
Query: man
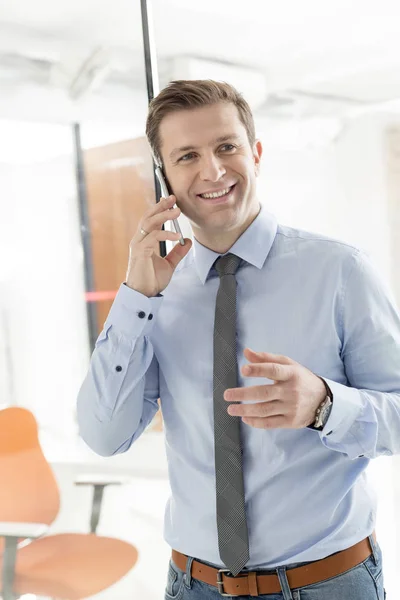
276, 356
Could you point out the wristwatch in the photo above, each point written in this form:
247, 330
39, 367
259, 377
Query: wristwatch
323, 410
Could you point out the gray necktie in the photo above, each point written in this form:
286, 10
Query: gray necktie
231, 517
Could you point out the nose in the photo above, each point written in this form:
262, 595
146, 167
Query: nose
211, 169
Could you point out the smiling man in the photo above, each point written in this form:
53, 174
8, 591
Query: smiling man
214, 178
275, 353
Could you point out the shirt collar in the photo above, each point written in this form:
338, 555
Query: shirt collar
253, 245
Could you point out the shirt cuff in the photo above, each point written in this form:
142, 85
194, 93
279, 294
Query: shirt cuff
132, 314
346, 409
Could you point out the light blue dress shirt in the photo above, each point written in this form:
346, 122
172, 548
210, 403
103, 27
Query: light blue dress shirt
318, 301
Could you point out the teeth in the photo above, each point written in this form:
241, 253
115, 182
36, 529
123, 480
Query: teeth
216, 194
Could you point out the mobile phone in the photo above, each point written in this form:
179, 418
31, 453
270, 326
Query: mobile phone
165, 192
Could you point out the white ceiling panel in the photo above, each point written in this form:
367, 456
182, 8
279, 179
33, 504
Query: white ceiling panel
337, 48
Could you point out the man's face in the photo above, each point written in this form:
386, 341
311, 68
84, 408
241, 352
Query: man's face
206, 151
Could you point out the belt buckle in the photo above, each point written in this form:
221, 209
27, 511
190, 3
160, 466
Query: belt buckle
220, 583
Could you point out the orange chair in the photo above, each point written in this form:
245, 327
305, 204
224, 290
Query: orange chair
100, 481
66, 566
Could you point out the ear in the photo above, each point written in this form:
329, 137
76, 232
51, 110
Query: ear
257, 153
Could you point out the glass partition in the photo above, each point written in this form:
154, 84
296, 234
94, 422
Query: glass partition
75, 177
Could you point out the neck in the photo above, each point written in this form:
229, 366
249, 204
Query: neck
222, 241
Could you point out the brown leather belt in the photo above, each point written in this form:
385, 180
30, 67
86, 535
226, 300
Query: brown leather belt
255, 584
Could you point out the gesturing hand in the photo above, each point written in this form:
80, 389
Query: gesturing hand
291, 402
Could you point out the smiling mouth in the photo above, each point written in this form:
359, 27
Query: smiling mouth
216, 195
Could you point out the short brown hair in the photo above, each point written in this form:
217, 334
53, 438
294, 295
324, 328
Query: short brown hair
189, 94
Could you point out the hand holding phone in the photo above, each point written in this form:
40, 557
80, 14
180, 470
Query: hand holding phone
148, 272
166, 192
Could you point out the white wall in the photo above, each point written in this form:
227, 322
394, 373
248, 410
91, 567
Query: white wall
43, 292
7, 393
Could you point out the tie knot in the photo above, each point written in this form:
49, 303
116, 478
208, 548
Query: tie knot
227, 265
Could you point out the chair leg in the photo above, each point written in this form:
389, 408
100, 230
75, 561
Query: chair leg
9, 560
96, 506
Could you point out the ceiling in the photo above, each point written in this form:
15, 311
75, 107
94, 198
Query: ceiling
314, 58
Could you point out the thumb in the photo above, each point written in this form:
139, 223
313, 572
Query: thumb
178, 252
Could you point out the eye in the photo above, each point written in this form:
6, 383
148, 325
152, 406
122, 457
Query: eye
227, 147
186, 157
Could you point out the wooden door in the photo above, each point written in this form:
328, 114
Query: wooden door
120, 188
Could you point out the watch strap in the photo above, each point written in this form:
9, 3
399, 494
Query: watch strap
329, 395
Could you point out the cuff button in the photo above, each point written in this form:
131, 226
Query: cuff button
141, 314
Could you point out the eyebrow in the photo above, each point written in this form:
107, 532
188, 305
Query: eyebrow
219, 140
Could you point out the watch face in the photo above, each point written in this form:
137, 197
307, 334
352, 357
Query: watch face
325, 412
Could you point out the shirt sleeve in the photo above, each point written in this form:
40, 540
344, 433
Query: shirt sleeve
119, 396
365, 416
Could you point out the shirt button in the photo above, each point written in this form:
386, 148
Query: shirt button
150, 317
141, 314
329, 433
118, 368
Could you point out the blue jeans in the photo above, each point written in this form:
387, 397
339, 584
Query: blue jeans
363, 582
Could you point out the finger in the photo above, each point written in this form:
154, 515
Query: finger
276, 422
178, 252
259, 370
265, 393
156, 221
159, 235
149, 244
259, 410
267, 357
270, 370
159, 207
278, 372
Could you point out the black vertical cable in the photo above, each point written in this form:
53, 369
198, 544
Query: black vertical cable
150, 65
91, 309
